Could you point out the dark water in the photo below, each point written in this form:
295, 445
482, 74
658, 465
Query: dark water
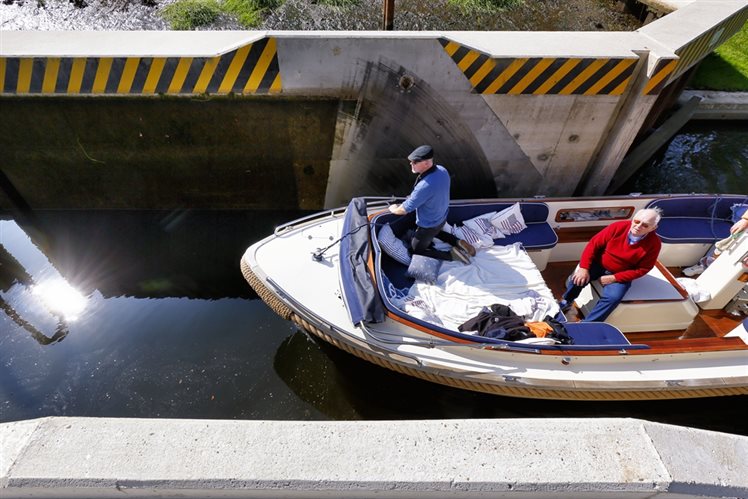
166, 326
705, 156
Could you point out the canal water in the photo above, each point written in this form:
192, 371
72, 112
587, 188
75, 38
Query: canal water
146, 314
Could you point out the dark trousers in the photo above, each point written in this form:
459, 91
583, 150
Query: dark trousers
423, 242
609, 299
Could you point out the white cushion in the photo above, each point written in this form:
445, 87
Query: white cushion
476, 239
392, 245
482, 225
510, 220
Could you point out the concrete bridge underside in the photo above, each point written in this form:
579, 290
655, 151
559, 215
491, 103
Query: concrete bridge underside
227, 119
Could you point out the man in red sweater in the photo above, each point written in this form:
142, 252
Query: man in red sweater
618, 254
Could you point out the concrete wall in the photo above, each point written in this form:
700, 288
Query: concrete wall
510, 113
530, 458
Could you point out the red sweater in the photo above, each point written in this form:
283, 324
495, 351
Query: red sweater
610, 247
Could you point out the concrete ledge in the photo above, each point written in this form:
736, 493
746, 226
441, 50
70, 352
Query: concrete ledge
666, 6
718, 105
80, 457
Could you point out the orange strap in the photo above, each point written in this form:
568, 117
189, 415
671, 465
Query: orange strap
539, 329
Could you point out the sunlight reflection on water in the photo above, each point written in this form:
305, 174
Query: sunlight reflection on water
61, 298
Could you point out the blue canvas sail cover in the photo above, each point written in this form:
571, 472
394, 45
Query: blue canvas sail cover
359, 292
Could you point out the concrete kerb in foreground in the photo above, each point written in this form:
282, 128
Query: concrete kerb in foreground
580, 458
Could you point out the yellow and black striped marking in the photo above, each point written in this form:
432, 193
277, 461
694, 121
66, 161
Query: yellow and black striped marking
540, 75
698, 48
251, 69
658, 80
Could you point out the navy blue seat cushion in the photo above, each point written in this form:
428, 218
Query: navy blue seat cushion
695, 219
531, 212
692, 230
395, 273
738, 210
595, 333
538, 235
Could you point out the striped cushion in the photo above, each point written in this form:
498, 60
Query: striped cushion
392, 245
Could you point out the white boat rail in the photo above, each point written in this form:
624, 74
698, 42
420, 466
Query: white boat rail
373, 201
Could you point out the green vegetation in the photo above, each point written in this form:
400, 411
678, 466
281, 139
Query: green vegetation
484, 5
191, 14
727, 68
245, 11
249, 12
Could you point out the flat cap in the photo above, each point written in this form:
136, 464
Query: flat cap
420, 153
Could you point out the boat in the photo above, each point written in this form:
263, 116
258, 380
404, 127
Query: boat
337, 275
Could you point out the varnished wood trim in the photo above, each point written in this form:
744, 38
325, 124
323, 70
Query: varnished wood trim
671, 279
658, 347
426, 330
629, 209
696, 345
577, 234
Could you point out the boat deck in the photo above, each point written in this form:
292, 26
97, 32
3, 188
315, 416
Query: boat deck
708, 324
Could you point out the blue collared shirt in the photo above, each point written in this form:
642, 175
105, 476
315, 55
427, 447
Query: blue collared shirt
430, 197
633, 239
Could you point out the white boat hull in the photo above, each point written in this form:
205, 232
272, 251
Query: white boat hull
283, 272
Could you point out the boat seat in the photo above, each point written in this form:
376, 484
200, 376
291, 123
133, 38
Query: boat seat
538, 235
595, 333
695, 219
655, 302
691, 224
538, 238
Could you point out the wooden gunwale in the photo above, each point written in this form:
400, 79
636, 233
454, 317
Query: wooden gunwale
577, 234
659, 347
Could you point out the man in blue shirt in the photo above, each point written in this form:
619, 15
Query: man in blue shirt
430, 200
